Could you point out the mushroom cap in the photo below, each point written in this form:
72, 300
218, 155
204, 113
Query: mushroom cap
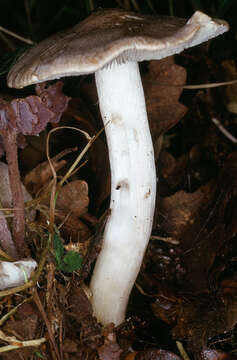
109, 36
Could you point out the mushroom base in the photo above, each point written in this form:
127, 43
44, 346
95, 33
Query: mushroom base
133, 190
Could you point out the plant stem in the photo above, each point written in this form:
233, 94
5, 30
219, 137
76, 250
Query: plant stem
171, 8
18, 223
6, 241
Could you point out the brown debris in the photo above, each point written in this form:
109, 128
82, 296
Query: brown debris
24, 327
81, 312
173, 172
6, 241
39, 176
110, 350
199, 319
73, 198
70, 346
156, 354
204, 223
53, 98
72, 203
163, 106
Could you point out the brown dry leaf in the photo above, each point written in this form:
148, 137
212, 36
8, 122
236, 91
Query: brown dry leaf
163, 107
110, 350
156, 354
73, 229
72, 203
80, 306
73, 198
24, 327
70, 346
41, 174
204, 222
193, 220
80, 310
173, 171
180, 210
199, 319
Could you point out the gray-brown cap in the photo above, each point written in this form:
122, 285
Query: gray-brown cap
107, 36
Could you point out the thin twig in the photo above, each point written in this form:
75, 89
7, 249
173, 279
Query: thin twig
16, 344
165, 239
70, 171
80, 156
13, 311
182, 351
150, 5
193, 87
91, 5
224, 130
135, 5
171, 8
40, 307
18, 223
16, 36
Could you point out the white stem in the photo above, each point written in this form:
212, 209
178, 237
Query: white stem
133, 190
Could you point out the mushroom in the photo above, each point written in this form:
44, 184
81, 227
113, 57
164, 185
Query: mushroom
110, 43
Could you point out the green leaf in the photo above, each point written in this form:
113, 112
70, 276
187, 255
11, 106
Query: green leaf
38, 354
58, 249
65, 261
72, 261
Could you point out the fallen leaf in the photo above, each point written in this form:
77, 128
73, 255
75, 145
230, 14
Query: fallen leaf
38, 177
163, 106
110, 350
156, 354
73, 198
